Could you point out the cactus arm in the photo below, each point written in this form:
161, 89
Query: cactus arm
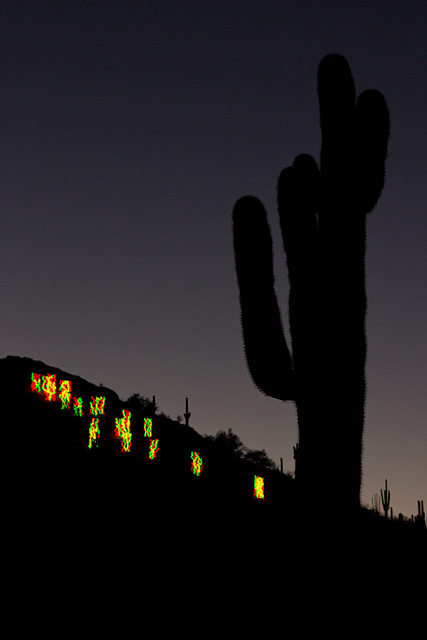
354, 140
372, 133
266, 351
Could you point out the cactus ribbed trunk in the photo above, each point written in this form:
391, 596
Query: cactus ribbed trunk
330, 373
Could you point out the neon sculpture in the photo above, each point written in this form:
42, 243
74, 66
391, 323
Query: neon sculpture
36, 382
65, 393
148, 427
197, 464
97, 406
154, 447
94, 432
259, 488
123, 430
78, 407
49, 386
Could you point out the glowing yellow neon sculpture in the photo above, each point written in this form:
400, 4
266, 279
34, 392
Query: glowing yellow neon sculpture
94, 432
64, 394
259, 488
97, 406
123, 430
49, 386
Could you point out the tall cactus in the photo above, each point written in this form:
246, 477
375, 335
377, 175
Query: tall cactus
323, 222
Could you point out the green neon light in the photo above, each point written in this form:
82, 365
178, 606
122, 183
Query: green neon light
123, 430
94, 432
154, 447
78, 407
97, 406
49, 386
197, 463
36, 382
259, 488
64, 394
148, 427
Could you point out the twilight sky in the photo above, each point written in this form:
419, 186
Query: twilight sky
128, 131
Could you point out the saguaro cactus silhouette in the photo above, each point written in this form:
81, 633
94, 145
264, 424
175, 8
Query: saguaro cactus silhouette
385, 499
187, 414
323, 222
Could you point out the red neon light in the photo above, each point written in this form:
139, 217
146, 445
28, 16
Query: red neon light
94, 432
78, 407
65, 393
148, 427
97, 406
197, 464
154, 447
49, 386
259, 488
123, 430
36, 382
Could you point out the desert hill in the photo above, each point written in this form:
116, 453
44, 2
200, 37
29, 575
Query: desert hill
107, 498
51, 445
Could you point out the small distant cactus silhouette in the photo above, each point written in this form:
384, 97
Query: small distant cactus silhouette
375, 503
187, 414
420, 519
323, 222
385, 499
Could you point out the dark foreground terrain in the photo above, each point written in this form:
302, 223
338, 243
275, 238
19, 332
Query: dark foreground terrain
80, 521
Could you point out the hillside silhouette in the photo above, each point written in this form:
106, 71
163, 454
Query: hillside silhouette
54, 435
57, 476
59, 482
88, 525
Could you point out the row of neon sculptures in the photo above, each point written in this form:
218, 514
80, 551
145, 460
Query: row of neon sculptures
47, 386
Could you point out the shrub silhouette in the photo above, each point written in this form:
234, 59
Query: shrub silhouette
323, 221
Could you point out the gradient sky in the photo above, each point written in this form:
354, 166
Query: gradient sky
128, 131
